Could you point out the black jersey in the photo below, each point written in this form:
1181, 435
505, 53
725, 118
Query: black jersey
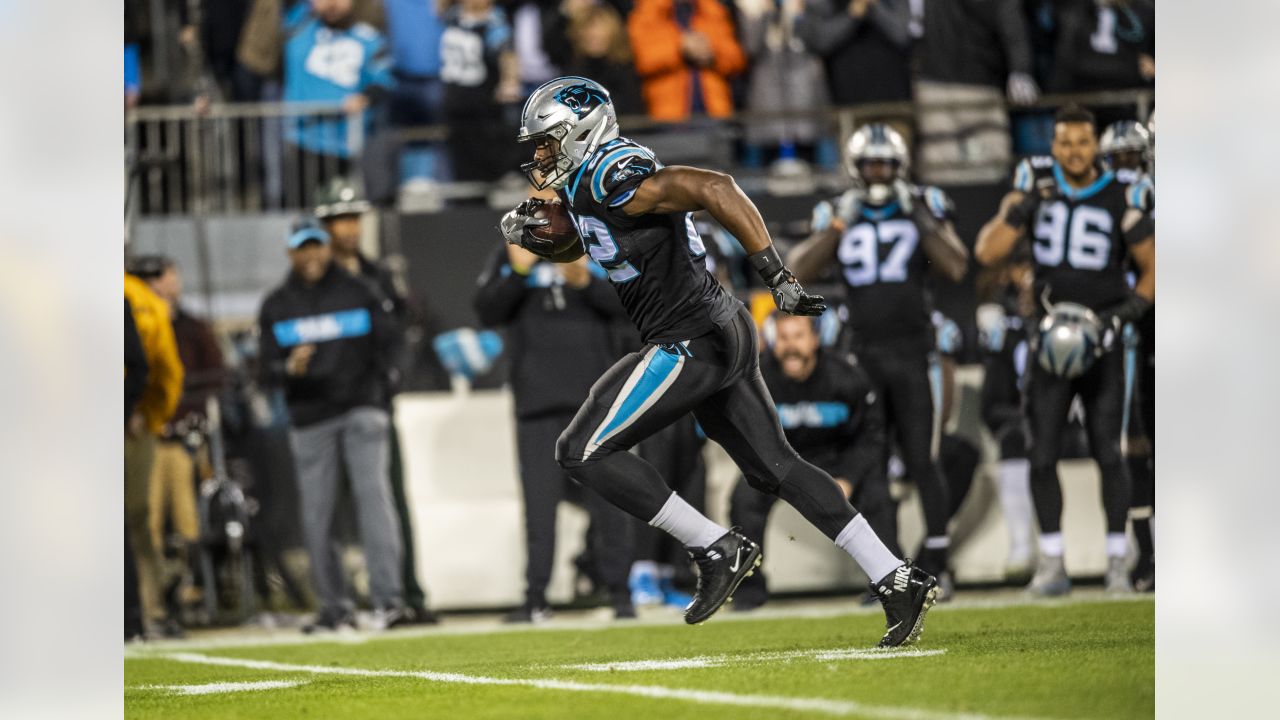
656, 262
884, 268
1078, 245
832, 418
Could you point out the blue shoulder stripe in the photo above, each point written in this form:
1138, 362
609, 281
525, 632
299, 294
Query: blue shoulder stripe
597, 178
937, 201
1022, 177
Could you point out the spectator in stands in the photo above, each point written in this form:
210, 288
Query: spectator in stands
174, 473
158, 401
220, 26
560, 320
783, 75
972, 52
339, 208
865, 47
481, 74
414, 28
331, 56
135, 381
262, 38
600, 51
686, 52
536, 30
1105, 45
324, 338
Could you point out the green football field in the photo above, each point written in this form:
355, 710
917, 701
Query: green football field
983, 657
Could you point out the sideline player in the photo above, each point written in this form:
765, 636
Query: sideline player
830, 415
1084, 226
634, 217
885, 233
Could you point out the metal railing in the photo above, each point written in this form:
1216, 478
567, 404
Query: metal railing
243, 157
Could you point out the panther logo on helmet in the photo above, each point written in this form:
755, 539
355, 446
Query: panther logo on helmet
581, 99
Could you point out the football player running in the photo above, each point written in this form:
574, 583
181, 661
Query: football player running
885, 234
1084, 226
634, 217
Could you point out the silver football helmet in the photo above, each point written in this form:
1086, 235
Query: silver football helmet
1125, 136
572, 116
876, 141
1070, 340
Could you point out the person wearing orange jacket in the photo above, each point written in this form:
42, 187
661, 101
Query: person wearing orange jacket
685, 51
157, 404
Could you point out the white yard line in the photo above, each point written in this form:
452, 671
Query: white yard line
225, 687
471, 626
711, 661
704, 697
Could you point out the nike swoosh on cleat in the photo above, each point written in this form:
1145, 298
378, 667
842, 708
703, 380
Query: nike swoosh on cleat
737, 560
895, 627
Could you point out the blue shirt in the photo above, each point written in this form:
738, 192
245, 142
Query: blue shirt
328, 64
414, 29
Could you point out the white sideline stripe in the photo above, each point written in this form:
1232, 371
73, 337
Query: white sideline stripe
823, 610
704, 697
708, 661
225, 687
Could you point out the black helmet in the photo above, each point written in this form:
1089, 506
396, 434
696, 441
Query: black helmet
339, 197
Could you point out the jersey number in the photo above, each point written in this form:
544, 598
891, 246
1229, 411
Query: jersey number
1085, 241
860, 251
1103, 38
604, 250
337, 61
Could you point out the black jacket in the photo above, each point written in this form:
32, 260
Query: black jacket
974, 42
353, 338
560, 340
833, 418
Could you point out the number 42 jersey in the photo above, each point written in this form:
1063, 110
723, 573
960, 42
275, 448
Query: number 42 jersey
1078, 243
656, 262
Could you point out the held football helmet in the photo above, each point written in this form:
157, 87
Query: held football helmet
573, 116
1125, 136
1069, 341
876, 141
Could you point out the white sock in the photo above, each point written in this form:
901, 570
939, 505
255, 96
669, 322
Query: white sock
1015, 502
864, 546
1117, 545
1051, 544
684, 523
938, 542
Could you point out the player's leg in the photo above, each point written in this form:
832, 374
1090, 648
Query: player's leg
749, 512
1138, 451
542, 482
316, 452
1104, 392
1048, 402
366, 449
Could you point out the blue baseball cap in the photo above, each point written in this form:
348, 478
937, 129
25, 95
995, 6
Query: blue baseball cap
305, 231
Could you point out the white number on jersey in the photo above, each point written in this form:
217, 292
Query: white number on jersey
859, 251
337, 60
604, 250
462, 58
1083, 237
1103, 38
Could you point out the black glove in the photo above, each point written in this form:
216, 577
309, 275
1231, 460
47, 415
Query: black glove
788, 295
515, 228
1020, 214
1130, 310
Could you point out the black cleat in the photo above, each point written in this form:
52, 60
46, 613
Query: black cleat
906, 594
721, 567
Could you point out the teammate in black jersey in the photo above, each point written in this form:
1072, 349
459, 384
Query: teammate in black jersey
634, 218
1083, 226
885, 233
831, 416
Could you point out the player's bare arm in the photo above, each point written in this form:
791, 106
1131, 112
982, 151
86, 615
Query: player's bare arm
814, 255
941, 244
685, 189
1144, 257
998, 237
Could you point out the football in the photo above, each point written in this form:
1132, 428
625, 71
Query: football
560, 228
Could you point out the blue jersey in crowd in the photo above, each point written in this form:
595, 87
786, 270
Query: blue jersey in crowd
324, 64
414, 29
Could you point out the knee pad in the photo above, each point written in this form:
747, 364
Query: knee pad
567, 453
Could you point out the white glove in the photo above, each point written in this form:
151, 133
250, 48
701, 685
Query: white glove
902, 191
1022, 89
849, 206
823, 214
513, 224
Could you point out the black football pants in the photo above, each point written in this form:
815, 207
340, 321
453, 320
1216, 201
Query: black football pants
717, 377
1103, 392
904, 380
545, 485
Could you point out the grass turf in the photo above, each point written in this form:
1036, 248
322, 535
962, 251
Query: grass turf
1084, 660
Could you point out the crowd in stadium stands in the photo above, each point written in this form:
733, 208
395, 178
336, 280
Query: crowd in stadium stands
468, 65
